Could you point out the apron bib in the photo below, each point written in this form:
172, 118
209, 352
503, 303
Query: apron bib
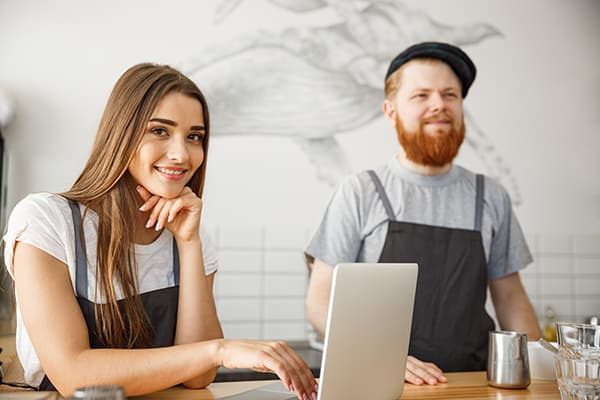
160, 305
450, 324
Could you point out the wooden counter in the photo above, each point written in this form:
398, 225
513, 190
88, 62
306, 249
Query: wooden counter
461, 385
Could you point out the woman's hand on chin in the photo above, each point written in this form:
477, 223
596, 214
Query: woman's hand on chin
180, 215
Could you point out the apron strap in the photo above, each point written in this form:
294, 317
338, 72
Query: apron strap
381, 191
81, 281
175, 263
479, 188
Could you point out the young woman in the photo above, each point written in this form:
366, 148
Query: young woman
114, 278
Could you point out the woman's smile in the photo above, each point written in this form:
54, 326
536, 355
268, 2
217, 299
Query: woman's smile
172, 173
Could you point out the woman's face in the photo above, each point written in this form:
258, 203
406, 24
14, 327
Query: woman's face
171, 148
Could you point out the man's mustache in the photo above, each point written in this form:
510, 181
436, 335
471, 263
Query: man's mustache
438, 117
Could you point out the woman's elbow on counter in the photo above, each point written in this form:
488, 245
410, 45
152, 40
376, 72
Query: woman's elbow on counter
201, 381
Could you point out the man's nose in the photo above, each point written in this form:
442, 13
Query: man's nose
436, 102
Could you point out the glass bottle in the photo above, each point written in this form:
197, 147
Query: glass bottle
549, 331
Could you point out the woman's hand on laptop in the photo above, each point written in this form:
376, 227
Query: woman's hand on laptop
419, 372
276, 357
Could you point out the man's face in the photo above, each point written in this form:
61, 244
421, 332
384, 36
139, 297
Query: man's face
427, 112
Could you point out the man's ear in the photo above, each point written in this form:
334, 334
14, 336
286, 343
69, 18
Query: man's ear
389, 111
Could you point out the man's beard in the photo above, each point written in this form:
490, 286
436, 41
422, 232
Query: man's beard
435, 150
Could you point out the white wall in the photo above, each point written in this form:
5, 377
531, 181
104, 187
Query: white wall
535, 97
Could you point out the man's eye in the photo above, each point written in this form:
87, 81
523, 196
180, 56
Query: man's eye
419, 96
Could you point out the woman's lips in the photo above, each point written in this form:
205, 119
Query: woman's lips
171, 173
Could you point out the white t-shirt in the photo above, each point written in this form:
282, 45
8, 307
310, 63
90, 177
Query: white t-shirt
44, 220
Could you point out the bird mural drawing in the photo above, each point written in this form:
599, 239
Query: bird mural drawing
312, 84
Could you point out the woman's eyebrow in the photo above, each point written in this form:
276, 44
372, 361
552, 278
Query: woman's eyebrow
173, 123
164, 121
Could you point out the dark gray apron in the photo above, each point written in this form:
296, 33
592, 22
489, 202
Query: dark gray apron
160, 305
450, 325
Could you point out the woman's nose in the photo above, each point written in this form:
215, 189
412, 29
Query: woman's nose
177, 150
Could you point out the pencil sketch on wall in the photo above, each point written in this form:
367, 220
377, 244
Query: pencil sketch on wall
312, 84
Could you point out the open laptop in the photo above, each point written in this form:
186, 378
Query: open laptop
367, 335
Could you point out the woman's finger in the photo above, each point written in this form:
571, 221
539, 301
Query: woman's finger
161, 219
143, 192
269, 359
282, 369
303, 381
150, 203
149, 199
155, 212
175, 208
298, 364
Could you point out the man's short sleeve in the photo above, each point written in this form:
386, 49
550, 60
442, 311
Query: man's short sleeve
209, 252
338, 236
509, 252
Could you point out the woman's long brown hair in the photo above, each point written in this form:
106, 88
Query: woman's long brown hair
106, 187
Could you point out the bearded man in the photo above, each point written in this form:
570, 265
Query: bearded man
420, 207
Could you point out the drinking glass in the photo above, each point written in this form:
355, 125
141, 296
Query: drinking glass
578, 361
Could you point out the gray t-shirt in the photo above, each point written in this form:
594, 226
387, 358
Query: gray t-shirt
354, 226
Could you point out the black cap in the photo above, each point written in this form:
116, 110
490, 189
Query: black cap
457, 59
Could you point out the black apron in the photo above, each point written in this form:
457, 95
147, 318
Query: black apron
160, 305
450, 325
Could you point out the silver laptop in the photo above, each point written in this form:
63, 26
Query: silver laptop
367, 335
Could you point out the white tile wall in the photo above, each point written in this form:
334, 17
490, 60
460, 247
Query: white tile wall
262, 280
286, 261
247, 285
285, 238
555, 286
567, 274
587, 245
278, 309
554, 263
285, 285
285, 330
241, 261
241, 238
587, 286
239, 310
555, 243
240, 330
587, 265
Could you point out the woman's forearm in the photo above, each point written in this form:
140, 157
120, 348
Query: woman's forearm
138, 371
196, 315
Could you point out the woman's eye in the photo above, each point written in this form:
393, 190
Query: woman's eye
196, 137
159, 131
